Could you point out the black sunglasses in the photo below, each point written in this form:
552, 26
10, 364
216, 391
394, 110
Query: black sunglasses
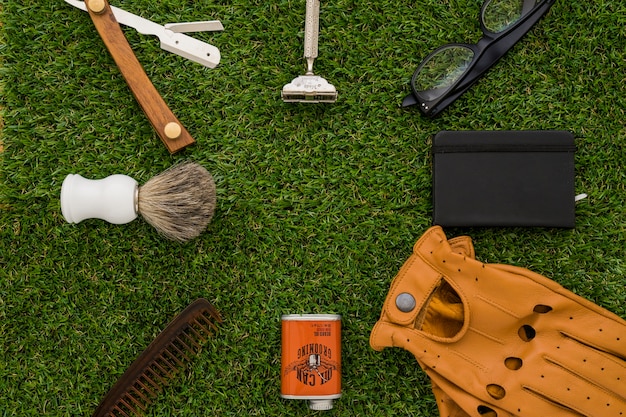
452, 69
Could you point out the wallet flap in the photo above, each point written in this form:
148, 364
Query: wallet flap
504, 178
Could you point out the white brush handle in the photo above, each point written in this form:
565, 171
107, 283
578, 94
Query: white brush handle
113, 199
311, 32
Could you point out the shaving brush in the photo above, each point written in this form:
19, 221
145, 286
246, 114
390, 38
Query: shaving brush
179, 202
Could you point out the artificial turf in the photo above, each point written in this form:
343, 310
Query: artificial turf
318, 205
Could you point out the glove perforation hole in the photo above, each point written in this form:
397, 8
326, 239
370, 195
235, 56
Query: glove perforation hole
483, 410
496, 391
513, 363
542, 309
527, 333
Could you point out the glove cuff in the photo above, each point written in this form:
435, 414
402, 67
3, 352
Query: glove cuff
415, 287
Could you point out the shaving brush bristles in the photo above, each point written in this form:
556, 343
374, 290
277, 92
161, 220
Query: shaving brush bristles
179, 202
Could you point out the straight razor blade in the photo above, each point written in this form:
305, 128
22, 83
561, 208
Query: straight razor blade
177, 43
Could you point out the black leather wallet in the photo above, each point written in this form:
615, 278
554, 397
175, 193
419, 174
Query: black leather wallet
503, 178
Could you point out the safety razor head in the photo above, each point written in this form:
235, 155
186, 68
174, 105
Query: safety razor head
309, 89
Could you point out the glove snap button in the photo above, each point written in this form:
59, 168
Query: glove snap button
405, 302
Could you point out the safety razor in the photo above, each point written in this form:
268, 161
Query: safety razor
310, 88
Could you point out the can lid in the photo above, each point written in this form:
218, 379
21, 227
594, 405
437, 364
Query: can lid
310, 317
320, 405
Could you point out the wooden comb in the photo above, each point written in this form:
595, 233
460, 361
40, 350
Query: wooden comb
169, 353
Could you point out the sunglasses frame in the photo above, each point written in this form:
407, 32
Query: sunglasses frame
489, 49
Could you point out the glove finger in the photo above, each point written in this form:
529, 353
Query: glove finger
454, 401
446, 405
597, 367
581, 378
533, 389
462, 245
577, 317
555, 384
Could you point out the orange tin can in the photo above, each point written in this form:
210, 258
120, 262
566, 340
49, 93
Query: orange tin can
311, 359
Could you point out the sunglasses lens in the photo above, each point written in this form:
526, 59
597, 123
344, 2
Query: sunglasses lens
499, 15
441, 70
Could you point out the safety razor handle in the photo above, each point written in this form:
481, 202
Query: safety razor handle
311, 32
171, 132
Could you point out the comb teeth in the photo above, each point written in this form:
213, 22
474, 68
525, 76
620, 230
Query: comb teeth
171, 351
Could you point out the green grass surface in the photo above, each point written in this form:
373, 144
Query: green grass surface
318, 207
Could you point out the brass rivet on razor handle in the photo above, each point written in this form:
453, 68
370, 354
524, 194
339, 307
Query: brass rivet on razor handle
159, 114
173, 130
97, 6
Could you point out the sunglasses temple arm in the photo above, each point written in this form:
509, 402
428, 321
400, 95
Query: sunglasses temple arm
527, 6
488, 57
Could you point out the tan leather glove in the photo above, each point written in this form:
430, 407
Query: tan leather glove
499, 340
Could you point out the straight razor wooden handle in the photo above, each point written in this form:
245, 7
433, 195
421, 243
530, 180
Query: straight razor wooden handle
173, 134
